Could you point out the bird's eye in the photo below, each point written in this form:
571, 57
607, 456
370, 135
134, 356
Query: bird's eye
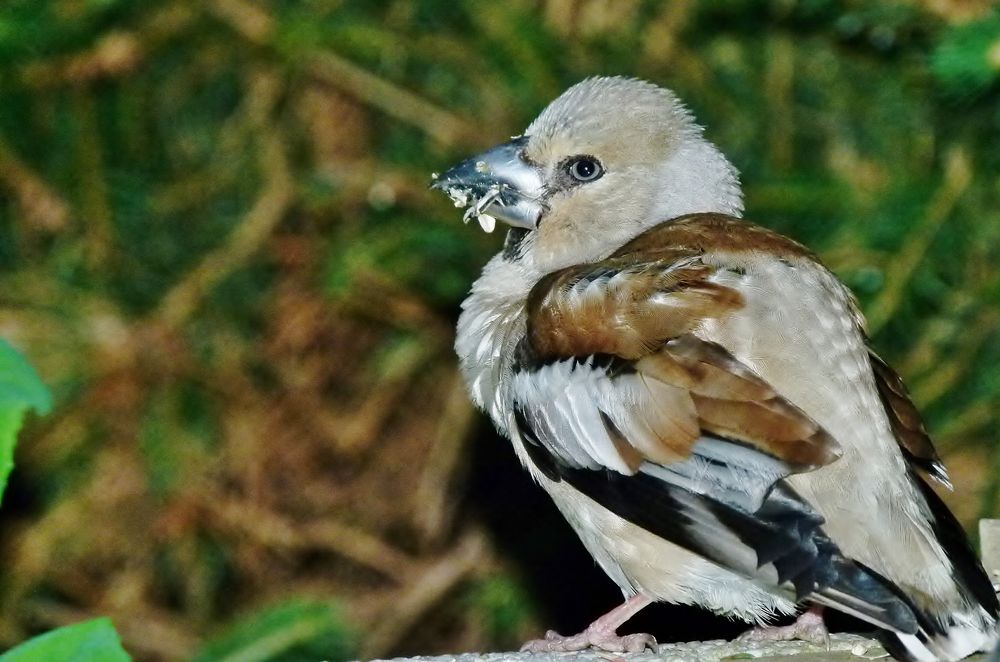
584, 169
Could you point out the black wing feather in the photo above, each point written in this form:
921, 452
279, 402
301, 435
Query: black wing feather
785, 533
968, 571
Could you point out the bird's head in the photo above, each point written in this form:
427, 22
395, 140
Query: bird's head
608, 159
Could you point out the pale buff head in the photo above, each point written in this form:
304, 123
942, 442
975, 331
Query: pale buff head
608, 159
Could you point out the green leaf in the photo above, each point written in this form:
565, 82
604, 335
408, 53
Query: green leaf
90, 641
20, 386
20, 389
296, 630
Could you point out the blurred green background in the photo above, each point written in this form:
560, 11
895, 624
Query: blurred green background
218, 249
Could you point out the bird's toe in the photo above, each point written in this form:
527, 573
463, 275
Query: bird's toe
637, 643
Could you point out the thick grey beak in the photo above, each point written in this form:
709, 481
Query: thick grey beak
497, 184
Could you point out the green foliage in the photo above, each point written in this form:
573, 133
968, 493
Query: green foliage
90, 641
166, 447
504, 608
216, 238
296, 631
29, 28
967, 60
421, 255
20, 390
20, 387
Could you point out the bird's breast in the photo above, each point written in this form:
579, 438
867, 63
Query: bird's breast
491, 325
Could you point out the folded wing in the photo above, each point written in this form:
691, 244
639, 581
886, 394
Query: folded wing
616, 394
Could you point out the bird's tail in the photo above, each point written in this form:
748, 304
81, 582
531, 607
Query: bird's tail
925, 635
908, 632
954, 637
910, 629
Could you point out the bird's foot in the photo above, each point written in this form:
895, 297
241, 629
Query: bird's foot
602, 634
593, 637
807, 627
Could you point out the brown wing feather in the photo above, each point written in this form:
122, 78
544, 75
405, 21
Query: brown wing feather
621, 308
713, 232
905, 419
732, 402
646, 312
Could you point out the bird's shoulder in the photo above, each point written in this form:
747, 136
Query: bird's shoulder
651, 298
660, 285
614, 357
713, 233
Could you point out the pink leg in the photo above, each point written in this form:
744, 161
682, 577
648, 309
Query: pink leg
808, 626
601, 634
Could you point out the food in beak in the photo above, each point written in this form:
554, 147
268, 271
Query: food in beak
495, 185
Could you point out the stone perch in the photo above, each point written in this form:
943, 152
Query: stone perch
841, 648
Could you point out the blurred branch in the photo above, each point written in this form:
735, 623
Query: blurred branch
959, 11
949, 372
957, 176
405, 106
433, 498
194, 189
41, 207
423, 594
942, 333
778, 81
397, 307
957, 430
277, 532
660, 39
363, 423
95, 210
116, 54
254, 24
253, 229
925, 351
250, 21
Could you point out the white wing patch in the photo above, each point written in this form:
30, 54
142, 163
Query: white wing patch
563, 403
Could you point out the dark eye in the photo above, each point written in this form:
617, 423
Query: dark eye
584, 169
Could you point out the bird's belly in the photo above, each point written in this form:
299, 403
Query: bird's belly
639, 561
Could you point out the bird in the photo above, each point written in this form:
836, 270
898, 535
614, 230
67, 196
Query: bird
697, 393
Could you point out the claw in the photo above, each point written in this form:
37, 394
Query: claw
807, 627
591, 638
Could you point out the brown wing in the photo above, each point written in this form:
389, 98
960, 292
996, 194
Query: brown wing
732, 402
622, 308
653, 288
906, 422
661, 388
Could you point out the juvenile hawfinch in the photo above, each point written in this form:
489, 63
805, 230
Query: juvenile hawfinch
696, 393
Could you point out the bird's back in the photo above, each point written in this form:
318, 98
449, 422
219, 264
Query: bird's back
801, 331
